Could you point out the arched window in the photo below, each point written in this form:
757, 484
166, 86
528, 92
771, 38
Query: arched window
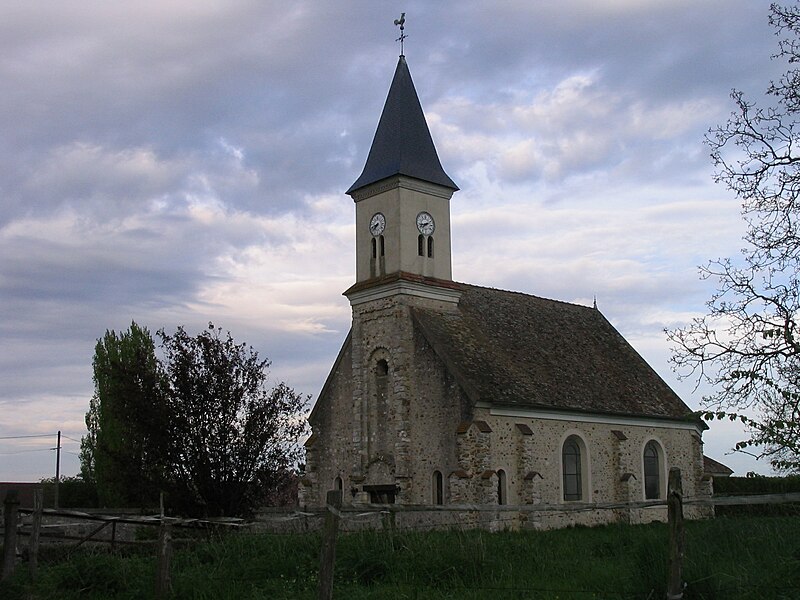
378, 422
652, 471
437, 488
430, 247
421, 245
337, 484
571, 464
502, 492
383, 246
374, 248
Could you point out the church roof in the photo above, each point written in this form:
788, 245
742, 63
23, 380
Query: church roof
715, 468
402, 144
517, 350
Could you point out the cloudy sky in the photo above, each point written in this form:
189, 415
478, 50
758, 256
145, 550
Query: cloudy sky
176, 162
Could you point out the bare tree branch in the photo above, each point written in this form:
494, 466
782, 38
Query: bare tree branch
746, 345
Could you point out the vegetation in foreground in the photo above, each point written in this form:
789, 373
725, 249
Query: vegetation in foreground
201, 423
756, 557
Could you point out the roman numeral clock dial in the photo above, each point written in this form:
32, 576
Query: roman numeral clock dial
425, 223
377, 224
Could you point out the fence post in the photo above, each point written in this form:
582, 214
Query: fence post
10, 506
327, 557
388, 524
676, 535
164, 555
36, 525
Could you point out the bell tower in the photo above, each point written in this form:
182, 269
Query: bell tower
402, 200
403, 195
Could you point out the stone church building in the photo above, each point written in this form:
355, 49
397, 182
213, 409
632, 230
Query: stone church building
449, 393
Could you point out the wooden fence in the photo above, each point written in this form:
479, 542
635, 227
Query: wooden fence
13, 529
333, 515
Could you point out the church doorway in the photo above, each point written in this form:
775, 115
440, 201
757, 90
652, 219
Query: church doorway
381, 494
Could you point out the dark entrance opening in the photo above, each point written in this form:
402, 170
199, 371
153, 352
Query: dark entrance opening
381, 494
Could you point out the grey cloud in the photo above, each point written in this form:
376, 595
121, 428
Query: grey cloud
119, 123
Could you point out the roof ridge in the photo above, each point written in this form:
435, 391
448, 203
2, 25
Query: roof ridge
518, 293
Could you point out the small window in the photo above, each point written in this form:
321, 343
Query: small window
421, 245
383, 246
374, 248
430, 247
381, 367
652, 472
337, 484
502, 492
437, 488
571, 465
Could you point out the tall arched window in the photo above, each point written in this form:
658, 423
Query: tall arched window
379, 440
337, 484
502, 492
374, 248
571, 466
652, 471
383, 246
430, 247
437, 488
421, 245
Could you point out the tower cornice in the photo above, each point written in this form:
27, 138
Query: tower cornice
402, 182
403, 283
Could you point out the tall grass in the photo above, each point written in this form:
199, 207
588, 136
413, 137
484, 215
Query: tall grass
733, 559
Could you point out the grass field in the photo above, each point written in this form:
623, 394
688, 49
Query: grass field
730, 558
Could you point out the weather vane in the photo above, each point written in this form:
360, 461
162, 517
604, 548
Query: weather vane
401, 22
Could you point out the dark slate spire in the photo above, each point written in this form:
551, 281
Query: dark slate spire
402, 143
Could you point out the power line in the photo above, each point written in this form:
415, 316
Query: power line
25, 451
38, 436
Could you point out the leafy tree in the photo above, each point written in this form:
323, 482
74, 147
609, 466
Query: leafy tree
212, 433
234, 436
126, 441
746, 346
73, 492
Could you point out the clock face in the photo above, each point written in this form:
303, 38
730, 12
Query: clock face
425, 223
377, 224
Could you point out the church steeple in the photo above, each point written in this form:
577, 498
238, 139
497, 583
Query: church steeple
403, 195
402, 143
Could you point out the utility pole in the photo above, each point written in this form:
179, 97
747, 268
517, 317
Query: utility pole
58, 469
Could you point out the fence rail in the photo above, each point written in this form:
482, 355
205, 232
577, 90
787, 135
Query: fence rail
573, 507
333, 513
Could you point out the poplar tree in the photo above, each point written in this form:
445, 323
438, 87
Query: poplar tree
124, 450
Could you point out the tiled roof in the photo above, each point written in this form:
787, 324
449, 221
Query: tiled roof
517, 350
713, 467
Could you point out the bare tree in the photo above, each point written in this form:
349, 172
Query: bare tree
746, 346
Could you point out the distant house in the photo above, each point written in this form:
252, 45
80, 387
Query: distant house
449, 393
713, 468
25, 491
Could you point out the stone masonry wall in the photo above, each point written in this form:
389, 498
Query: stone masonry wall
400, 428
534, 473
331, 453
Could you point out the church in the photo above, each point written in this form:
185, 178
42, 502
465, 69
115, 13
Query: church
450, 393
